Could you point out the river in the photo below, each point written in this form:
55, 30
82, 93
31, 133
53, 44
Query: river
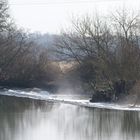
27, 119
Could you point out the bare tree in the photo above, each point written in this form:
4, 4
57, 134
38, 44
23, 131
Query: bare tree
111, 48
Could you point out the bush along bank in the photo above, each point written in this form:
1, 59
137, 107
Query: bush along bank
119, 90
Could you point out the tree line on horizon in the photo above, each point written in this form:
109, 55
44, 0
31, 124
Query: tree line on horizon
105, 50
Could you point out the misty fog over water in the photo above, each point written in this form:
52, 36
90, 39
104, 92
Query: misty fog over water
24, 119
77, 81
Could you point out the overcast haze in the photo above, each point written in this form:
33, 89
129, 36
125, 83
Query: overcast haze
51, 15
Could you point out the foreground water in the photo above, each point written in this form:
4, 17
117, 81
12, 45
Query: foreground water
26, 119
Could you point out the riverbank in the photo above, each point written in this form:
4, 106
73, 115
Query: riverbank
18, 100
23, 85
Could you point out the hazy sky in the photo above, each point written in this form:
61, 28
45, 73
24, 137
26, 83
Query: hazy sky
51, 15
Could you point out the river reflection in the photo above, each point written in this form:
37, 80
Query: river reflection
50, 121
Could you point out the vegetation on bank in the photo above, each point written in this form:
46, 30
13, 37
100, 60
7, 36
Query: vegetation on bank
23, 62
104, 53
107, 51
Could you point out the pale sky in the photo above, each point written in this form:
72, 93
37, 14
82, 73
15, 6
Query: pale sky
52, 15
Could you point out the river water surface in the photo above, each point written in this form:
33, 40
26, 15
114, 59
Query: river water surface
22, 119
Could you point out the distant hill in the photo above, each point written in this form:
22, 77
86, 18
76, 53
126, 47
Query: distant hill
46, 40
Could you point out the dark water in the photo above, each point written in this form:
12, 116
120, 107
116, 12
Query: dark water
22, 119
